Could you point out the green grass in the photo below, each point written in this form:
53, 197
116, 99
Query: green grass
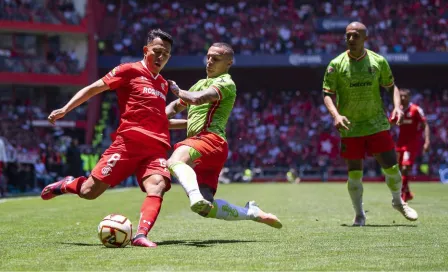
61, 234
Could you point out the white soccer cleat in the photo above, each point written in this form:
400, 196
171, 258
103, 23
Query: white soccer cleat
262, 217
201, 206
359, 221
409, 213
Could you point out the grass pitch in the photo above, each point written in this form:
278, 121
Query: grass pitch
61, 234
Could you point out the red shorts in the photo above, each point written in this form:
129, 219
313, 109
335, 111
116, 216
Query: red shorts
406, 155
126, 157
213, 155
355, 148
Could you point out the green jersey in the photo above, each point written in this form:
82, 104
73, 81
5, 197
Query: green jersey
356, 83
212, 117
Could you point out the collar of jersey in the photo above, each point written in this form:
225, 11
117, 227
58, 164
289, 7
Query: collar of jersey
217, 76
144, 65
357, 59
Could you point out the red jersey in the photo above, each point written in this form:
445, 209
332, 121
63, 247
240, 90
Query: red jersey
411, 127
141, 100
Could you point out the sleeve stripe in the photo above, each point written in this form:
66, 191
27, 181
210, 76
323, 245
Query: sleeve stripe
329, 91
389, 85
218, 91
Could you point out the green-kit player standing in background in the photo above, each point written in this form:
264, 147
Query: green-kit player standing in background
355, 77
198, 160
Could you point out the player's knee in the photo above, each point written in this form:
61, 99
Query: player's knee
155, 185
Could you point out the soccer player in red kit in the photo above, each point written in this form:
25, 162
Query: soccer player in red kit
142, 138
409, 139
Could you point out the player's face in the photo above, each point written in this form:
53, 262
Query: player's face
218, 62
404, 96
355, 39
157, 53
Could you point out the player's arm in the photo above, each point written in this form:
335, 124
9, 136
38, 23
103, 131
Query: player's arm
195, 98
339, 120
174, 108
427, 136
329, 89
80, 97
387, 82
177, 124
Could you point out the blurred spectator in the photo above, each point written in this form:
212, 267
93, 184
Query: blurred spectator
74, 162
50, 12
279, 26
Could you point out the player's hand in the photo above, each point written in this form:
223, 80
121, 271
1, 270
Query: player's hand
56, 114
397, 114
341, 122
426, 147
173, 87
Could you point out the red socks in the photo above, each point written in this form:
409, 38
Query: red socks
73, 186
148, 214
404, 186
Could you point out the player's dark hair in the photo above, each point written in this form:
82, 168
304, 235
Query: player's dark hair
226, 46
158, 33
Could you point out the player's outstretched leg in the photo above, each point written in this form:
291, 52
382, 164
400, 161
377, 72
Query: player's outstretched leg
229, 212
187, 178
355, 190
67, 185
393, 181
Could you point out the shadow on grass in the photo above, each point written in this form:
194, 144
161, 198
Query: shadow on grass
381, 226
203, 243
82, 244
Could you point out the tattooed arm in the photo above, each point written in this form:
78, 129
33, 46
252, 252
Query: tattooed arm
195, 98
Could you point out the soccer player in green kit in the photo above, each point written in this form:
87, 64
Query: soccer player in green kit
197, 161
355, 77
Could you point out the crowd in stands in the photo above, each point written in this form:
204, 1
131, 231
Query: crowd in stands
32, 156
393, 26
266, 130
36, 54
44, 11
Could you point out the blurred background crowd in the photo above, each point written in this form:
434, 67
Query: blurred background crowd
271, 130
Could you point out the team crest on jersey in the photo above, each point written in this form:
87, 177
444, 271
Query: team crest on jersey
106, 170
115, 70
330, 70
371, 70
163, 86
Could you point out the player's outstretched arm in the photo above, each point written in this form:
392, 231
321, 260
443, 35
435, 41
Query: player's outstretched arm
339, 120
174, 108
195, 98
80, 97
178, 124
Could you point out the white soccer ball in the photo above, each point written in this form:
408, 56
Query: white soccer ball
115, 230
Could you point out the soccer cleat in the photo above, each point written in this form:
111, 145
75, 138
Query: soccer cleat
55, 189
409, 213
141, 240
202, 207
359, 221
262, 217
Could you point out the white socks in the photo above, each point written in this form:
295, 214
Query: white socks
187, 178
393, 181
226, 211
355, 189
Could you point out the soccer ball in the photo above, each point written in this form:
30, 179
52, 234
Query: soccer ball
115, 231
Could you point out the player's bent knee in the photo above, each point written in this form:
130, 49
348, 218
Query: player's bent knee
155, 185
